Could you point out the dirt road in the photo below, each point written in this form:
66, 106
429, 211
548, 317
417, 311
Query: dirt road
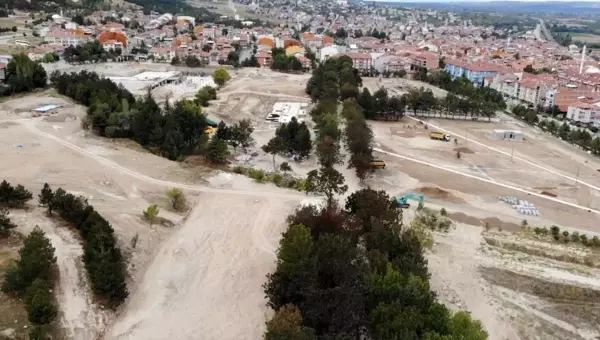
79, 316
32, 128
205, 282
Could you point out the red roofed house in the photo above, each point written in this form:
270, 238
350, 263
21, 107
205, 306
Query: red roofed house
112, 40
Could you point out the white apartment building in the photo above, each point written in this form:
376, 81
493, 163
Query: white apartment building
65, 38
585, 113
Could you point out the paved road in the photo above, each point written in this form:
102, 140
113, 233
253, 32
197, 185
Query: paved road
546, 32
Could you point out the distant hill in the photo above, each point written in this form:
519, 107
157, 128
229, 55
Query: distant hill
545, 7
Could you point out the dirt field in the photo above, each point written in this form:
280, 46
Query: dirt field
204, 274
515, 294
120, 182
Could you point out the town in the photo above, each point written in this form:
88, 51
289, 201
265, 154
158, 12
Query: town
337, 169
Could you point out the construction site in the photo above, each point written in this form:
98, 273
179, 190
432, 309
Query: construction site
202, 270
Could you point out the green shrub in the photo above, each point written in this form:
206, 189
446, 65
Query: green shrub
300, 185
257, 175
277, 179
239, 170
556, 237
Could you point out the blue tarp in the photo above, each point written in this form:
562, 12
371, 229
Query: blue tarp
46, 108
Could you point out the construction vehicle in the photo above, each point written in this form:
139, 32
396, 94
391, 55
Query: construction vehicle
439, 136
377, 164
209, 130
402, 201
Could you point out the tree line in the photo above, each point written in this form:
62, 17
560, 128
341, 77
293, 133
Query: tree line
356, 273
23, 75
464, 97
332, 81
102, 257
32, 276
174, 131
580, 137
283, 62
90, 51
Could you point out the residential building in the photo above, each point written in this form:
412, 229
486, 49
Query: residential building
66, 38
264, 58
474, 72
584, 112
360, 61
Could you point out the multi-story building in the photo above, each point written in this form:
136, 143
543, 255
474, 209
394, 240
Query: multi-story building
583, 112
474, 72
66, 38
360, 61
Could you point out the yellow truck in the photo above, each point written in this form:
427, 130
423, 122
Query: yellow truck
439, 136
377, 164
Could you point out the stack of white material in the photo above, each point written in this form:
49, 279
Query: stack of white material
523, 207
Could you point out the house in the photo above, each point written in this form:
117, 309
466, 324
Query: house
66, 38
264, 58
165, 54
112, 40
584, 112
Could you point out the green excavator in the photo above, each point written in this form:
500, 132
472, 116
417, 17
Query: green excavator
402, 201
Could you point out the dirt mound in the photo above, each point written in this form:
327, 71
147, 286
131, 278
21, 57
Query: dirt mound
435, 192
493, 222
547, 193
464, 150
464, 218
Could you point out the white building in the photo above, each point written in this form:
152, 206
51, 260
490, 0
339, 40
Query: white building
585, 113
328, 51
515, 135
283, 112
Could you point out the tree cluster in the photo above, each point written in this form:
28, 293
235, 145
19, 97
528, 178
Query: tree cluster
328, 78
32, 278
102, 257
463, 98
292, 138
51, 57
173, 132
23, 75
89, 52
354, 273
239, 134
13, 196
359, 139
380, 106
221, 76
205, 95
283, 62
8, 29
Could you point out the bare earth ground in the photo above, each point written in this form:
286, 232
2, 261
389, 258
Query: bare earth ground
204, 274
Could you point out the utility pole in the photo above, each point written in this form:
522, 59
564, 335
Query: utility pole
512, 152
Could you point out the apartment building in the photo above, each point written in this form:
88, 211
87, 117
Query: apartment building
66, 38
584, 112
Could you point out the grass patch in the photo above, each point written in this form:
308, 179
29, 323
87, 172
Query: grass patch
544, 289
280, 180
590, 261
